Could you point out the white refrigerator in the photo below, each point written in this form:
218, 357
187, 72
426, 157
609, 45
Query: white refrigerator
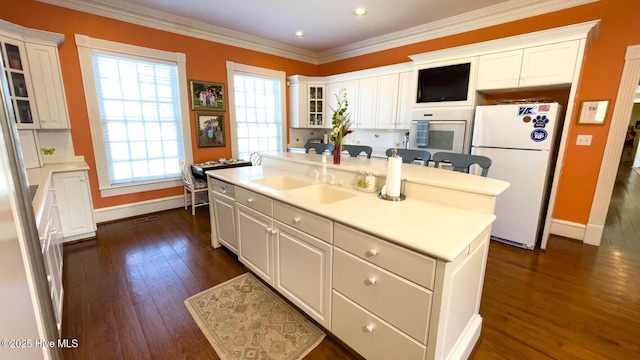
521, 140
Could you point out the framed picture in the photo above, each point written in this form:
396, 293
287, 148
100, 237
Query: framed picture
207, 95
593, 112
210, 128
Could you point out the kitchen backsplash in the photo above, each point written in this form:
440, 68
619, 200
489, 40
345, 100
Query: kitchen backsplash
378, 139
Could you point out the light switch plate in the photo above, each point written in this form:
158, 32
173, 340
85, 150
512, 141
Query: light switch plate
584, 140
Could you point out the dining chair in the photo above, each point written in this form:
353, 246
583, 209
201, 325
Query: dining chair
319, 148
409, 156
355, 150
462, 162
256, 159
193, 188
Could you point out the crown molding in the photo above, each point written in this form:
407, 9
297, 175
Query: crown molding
490, 16
31, 35
494, 15
139, 15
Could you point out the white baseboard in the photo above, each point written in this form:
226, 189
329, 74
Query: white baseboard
139, 208
593, 234
568, 229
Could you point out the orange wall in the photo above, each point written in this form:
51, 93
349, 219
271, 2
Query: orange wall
600, 77
206, 61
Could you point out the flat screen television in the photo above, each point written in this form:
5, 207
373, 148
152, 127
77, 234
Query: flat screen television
444, 83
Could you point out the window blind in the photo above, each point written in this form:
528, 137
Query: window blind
258, 113
139, 105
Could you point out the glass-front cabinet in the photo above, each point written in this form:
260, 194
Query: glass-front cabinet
15, 70
316, 106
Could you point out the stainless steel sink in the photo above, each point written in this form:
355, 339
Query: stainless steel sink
282, 182
321, 194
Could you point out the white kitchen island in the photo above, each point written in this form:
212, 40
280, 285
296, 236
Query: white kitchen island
390, 279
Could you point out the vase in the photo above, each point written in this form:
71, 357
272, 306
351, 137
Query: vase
337, 153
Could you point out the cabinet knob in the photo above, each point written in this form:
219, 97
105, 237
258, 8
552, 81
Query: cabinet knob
224, 189
274, 231
369, 328
372, 252
372, 281
250, 200
296, 220
268, 229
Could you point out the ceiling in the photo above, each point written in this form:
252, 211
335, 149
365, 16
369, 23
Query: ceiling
332, 31
327, 24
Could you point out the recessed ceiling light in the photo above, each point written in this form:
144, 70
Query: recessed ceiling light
299, 34
360, 12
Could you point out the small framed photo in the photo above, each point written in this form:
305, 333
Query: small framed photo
207, 96
210, 130
593, 112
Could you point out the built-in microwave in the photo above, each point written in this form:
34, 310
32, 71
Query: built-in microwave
441, 130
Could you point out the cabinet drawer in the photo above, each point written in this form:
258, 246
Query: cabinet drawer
254, 201
370, 336
406, 263
305, 221
223, 188
394, 299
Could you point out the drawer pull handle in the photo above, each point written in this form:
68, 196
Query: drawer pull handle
369, 328
373, 252
224, 189
296, 220
250, 200
371, 281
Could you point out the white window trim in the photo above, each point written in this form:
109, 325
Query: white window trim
233, 68
85, 46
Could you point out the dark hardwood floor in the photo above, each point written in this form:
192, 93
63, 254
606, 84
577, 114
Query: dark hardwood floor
622, 226
124, 294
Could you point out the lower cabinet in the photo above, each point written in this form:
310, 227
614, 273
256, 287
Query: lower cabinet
255, 238
303, 272
76, 208
50, 233
224, 205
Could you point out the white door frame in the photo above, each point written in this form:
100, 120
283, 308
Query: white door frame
615, 142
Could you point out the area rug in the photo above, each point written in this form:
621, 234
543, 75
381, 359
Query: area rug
245, 319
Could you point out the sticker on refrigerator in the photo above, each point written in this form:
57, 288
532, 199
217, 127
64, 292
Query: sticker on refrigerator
525, 110
544, 108
540, 121
539, 135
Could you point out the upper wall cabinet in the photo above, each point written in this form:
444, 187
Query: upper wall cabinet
47, 86
307, 99
16, 72
544, 65
32, 69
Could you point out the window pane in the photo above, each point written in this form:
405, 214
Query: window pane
139, 110
258, 114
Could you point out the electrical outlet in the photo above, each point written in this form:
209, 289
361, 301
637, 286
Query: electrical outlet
584, 140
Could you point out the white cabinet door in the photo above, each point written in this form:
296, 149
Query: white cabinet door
30, 147
406, 98
351, 87
366, 104
303, 272
499, 71
47, 85
74, 204
387, 102
549, 64
225, 221
21, 93
255, 242
331, 103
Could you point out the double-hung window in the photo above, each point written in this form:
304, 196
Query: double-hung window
137, 113
257, 103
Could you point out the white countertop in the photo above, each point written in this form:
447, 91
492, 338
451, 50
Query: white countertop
436, 230
42, 177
